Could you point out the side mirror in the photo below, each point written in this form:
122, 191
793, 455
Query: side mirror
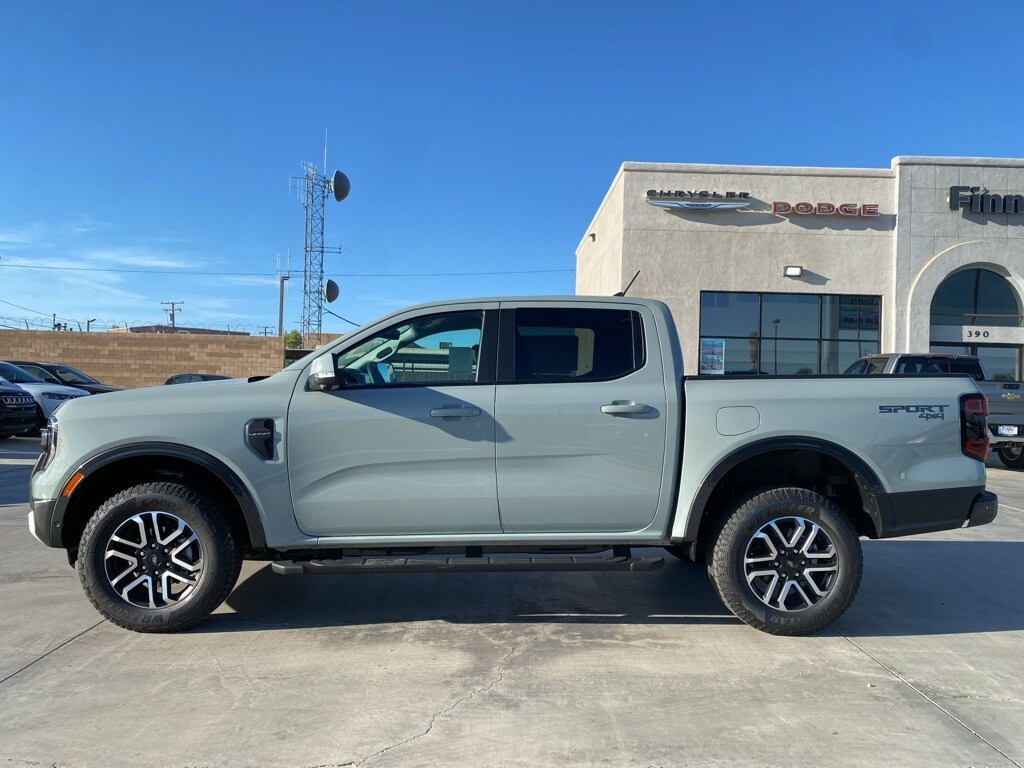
323, 382
322, 376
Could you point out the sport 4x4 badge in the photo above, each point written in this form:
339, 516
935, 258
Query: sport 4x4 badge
923, 411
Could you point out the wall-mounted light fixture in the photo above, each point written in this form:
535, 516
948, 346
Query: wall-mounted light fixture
792, 271
593, 237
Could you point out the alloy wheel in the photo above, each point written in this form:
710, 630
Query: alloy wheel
790, 564
153, 560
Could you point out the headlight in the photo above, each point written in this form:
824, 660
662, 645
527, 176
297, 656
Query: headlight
58, 396
48, 442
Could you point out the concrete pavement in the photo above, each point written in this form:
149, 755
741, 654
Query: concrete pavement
598, 669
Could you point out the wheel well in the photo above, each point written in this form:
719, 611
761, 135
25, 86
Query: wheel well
814, 470
100, 485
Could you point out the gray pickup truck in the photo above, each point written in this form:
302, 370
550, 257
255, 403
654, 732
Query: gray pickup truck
1005, 398
508, 434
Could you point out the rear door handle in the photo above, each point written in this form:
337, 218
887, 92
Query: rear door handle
630, 407
454, 411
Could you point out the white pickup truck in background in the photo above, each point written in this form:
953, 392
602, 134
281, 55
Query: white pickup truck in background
506, 434
1005, 398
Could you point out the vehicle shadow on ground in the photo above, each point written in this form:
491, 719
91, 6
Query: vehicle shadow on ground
680, 593
909, 588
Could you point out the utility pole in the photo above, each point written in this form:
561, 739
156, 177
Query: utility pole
171, 312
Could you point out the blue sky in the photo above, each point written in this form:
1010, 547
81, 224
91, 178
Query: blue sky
479, 137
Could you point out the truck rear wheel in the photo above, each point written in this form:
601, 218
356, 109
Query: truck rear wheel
786, 561
1012, 455
158, 557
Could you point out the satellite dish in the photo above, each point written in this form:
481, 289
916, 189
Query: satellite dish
340, 185
331, 291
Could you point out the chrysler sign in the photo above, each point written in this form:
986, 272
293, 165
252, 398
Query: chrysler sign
697, 200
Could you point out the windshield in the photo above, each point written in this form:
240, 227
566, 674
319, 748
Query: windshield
16, 375
45, 375
72, 375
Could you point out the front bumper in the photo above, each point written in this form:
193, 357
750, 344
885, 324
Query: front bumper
15, 421
41, 523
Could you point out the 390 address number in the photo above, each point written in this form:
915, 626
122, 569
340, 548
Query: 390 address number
977, 334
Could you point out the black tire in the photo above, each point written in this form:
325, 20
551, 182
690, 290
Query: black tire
738, 536
219, 555
1012, 456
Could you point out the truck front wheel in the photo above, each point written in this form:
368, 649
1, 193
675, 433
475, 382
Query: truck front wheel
158, 557
1012, 455
786, 561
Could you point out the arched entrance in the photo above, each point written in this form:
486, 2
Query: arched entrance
977, 311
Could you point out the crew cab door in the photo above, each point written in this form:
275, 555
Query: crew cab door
581, 412
405, 444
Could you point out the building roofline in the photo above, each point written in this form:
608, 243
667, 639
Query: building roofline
997, 162
762, 170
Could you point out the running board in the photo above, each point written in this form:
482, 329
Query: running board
462, 564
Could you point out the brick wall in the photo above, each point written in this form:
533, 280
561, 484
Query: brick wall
145, 359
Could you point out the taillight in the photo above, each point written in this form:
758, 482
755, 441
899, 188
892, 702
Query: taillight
973, 426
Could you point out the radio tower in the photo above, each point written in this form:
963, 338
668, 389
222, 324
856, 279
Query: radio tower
315, 188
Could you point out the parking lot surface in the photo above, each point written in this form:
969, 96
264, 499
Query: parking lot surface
590, 669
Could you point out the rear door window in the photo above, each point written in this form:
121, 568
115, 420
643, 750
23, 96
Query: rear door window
565, 344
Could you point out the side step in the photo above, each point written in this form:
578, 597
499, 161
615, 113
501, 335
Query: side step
617, 561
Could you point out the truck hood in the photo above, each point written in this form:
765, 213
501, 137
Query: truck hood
180, 399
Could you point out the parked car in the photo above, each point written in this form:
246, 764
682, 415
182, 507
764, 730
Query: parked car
393, 448
47, 396
17, 411
191, 378
1005, 398
58, 373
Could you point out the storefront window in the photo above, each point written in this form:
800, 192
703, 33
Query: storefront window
850, 317
785, 333
790, 314
728, 314
976, 297
788, 357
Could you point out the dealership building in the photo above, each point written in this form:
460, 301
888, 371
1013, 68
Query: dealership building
791, 270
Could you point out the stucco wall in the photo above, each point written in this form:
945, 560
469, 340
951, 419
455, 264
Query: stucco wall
679, 253
599, 254
901, 255
932, 241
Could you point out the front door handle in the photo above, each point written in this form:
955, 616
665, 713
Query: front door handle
454, 412
621, 407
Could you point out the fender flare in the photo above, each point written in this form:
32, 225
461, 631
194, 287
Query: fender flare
873, 493
215, 466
